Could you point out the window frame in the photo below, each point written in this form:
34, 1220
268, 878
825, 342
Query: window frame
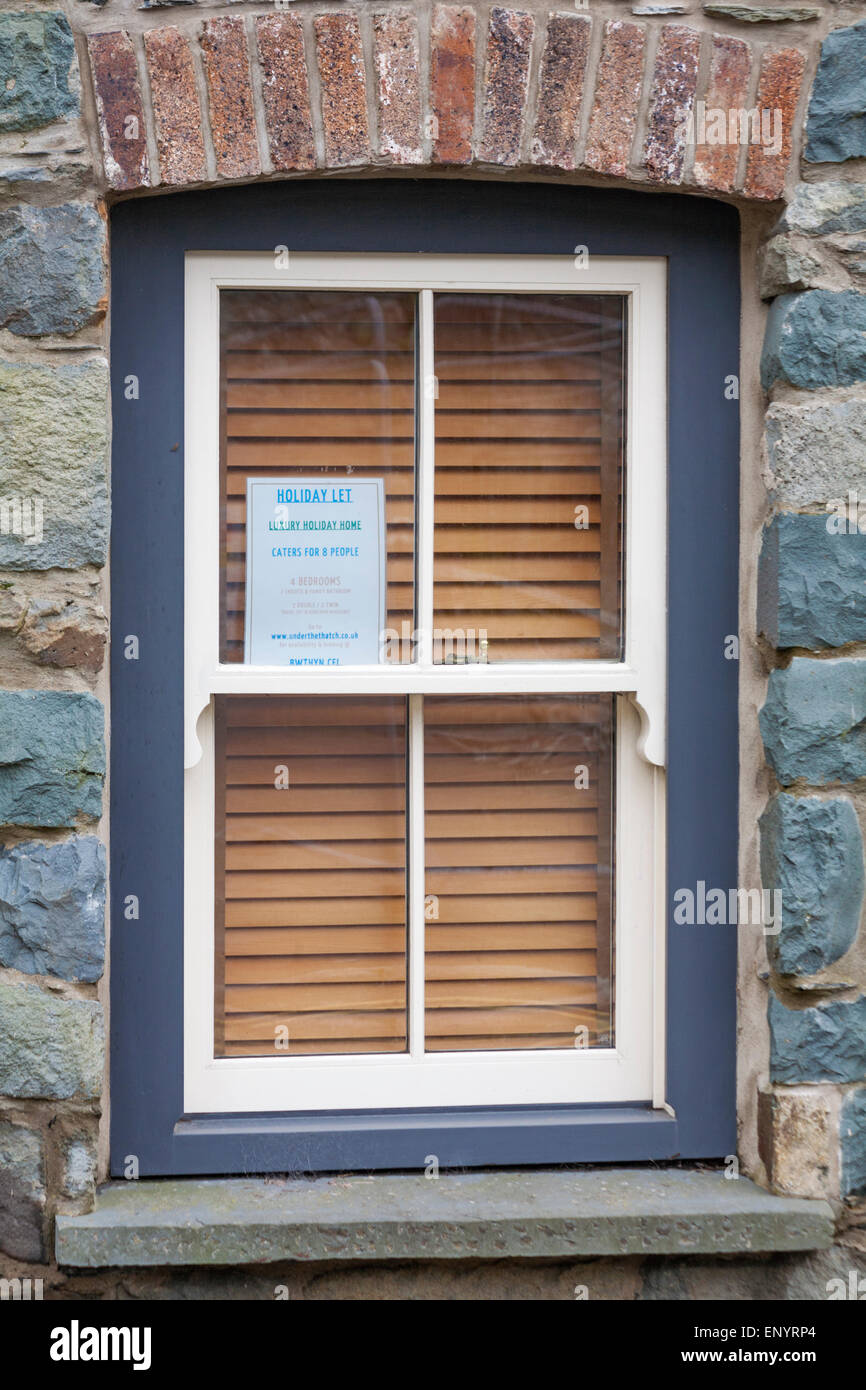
699, 241
634, 1066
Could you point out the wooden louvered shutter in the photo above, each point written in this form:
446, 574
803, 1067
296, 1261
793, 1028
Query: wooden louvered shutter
317, 382
312, 951
311, 876
529, 472
518, 821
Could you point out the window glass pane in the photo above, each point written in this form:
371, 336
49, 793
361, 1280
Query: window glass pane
317, 383
529, 450
310, 875
519, 836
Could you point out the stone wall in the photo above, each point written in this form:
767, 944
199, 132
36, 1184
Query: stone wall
108, 98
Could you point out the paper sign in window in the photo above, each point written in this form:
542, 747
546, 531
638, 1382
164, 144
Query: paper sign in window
315, 564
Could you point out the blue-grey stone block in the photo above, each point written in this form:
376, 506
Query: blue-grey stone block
852, 1135
812, 853
817, 209
52, 757
51, 1048
812, 583
52, 908
836, 123
52, 269
814, 721
814, 339
36, 60
827, 1043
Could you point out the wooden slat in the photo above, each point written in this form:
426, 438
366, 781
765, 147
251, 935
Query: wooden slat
573, 710
312, 424
526, 595
295, 710
317, 998
510, 569
505, 965
317, 339
526, 740
301, 913
304, 827
464, 1023
293, 943
450, 996
529, 822
355, 367
541, 938
330, 742
503, 1042
330, 855
307, 769
303, 306
285, 968
464, 907
300, 1047
524, 851
369, 1024
493, 937
326, 395
534, 395
529, 879
303, 456
317, 883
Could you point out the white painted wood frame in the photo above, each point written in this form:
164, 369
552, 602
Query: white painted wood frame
631, 1070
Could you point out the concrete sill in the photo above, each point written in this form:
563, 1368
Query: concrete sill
478, 1216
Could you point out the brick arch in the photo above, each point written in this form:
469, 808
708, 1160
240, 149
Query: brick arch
237, 98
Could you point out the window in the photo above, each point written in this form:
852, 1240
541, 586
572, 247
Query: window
649, 701
425, 801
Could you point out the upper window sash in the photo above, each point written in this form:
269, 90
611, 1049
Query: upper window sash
641, 672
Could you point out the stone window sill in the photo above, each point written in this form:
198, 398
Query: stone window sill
481, 1215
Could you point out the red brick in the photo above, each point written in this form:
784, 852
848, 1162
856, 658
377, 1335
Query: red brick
344, 89
506, 81
727, 90
672, 99
176, 108
398, 87
230, 98
617, 94
779, 86
452, 83
120, 110
560, 90
286, 91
